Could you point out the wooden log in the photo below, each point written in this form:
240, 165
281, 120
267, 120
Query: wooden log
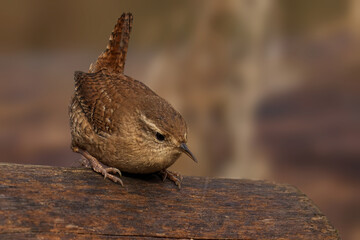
42, 202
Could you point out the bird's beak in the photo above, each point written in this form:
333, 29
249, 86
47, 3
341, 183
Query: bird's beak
186, 150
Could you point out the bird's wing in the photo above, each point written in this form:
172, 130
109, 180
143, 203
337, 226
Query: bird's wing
99, 98
112, 60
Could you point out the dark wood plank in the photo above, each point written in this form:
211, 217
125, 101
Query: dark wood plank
68, 203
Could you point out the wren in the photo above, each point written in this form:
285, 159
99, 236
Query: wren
118, 123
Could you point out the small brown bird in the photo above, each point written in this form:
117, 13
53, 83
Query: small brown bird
119, 121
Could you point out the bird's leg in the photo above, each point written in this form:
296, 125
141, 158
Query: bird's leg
85, 162
97, 167
172, 176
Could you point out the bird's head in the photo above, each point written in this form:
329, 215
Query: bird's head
163, 129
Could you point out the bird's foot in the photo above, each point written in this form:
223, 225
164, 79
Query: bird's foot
90, 161
172, 176
107, 174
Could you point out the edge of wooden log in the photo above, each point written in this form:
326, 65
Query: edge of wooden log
57, 202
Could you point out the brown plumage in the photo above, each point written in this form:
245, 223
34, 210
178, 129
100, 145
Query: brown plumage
119, 121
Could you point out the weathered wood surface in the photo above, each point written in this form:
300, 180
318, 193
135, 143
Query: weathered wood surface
74, 203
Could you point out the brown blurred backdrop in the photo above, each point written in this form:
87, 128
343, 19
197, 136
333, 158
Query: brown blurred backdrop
270, 89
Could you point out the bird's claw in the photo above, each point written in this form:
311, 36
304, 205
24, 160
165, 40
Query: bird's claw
97, 167
113, 170
172, 176
107, 174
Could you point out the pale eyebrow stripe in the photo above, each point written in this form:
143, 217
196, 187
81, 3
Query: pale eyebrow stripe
150, 123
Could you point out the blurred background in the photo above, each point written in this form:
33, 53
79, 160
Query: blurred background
270, 89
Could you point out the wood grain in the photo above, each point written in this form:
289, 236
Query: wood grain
74, 203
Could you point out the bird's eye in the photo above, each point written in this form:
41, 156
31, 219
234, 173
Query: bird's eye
160, 137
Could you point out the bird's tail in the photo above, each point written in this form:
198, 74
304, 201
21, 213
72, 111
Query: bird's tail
113, 58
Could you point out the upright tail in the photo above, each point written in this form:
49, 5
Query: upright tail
112, 60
